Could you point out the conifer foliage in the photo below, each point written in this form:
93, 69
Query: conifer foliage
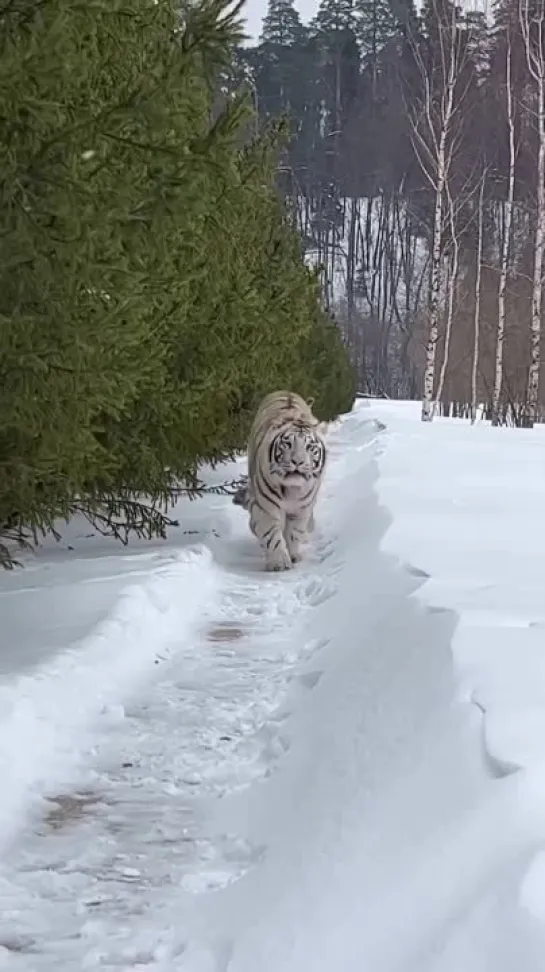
150, 287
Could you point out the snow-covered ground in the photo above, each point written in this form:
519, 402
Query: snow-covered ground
207, 768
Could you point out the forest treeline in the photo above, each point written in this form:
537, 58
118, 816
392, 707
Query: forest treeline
152, 286
416, 176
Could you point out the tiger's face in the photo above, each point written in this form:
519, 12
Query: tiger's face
297, 455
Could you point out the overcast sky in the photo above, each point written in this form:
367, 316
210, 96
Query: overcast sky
255, 9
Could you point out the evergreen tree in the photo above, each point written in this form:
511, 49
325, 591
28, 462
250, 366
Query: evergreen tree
376, 26
338, 88
142, 250
279, 58
102, 108
478, 42
282, 25
335, 17
335, 28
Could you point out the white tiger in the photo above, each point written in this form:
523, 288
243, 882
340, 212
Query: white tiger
286, 463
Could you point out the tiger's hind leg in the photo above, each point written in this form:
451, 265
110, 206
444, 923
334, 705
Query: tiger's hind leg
268, 530
296, 532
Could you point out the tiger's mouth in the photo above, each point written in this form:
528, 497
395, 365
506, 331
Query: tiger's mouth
296, 474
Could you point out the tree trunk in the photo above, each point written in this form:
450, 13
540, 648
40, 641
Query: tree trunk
532, 27
537, 288
451, 297
504, 264
477, 316
435, 287
434, 152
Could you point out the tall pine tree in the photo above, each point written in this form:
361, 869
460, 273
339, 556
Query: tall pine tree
282, 24
376, 26
335, 17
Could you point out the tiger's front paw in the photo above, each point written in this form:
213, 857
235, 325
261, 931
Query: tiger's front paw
278, 559
294, 550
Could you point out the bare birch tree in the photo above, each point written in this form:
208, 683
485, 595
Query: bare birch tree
433, 131
451, 295
506, 239
532, 23
477, 311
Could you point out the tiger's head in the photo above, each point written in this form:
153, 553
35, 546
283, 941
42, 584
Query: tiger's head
297, 454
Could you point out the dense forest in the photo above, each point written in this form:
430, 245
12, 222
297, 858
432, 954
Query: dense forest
415, 173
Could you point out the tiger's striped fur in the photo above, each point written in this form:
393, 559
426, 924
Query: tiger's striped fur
286, 462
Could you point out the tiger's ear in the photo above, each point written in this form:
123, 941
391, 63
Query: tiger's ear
310, 401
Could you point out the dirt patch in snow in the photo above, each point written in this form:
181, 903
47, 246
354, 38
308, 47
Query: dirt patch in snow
225, 632
68, 808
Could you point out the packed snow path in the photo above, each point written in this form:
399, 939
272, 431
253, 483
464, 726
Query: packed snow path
296, 786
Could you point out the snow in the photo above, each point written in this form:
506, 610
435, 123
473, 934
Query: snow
48, 717
467, 508
208, 768
532, 892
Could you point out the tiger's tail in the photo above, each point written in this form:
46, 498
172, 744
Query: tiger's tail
242, 497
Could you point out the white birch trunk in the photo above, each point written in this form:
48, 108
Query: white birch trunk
537, 288
506, 242
450, 300
434, 153
434, 298
477, 315
533, 29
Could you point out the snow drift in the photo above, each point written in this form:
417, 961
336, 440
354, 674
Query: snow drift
49, 718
